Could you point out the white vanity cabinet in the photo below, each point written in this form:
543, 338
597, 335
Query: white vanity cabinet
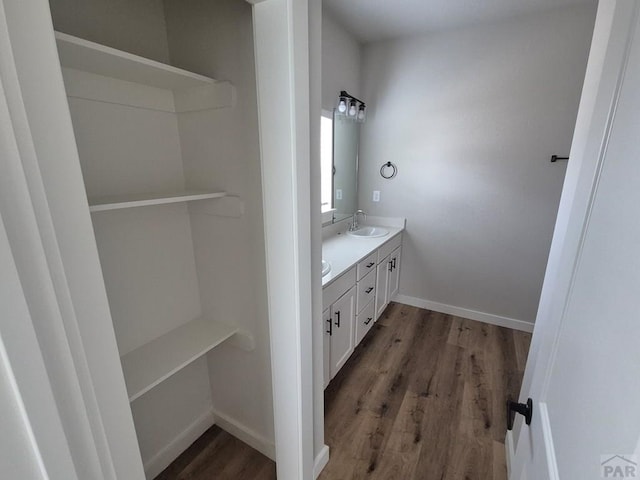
354, 300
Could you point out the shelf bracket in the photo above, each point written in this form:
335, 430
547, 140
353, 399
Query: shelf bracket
243, 340
229, 206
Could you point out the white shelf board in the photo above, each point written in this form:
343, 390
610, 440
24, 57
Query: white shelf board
95, 58
154, 362
101, 204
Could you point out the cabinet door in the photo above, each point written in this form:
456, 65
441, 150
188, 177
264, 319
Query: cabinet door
394, 274
382, 282
326, 345
342, 330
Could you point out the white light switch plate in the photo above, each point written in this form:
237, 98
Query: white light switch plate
338, 194
376, 195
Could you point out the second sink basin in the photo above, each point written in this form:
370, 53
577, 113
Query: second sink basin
369, 232
326, 267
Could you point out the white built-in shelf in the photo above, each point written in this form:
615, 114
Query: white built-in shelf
101, 204
190, 91
95, 58
154, 362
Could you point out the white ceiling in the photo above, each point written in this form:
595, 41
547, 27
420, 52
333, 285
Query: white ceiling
371, 20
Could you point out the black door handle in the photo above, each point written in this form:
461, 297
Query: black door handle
338, 319
525, 409
330, 331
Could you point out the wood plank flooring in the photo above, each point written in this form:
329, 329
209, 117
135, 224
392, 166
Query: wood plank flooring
217, 455
422, 397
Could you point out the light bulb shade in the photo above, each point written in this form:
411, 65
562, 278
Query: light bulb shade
352, 108
342, 105
362, 113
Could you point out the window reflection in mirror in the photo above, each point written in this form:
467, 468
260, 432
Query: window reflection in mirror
346, 132
339, 169
326, 158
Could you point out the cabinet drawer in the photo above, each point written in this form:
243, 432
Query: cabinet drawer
367, 265
366, 290
364, 321
389, 247
338, 287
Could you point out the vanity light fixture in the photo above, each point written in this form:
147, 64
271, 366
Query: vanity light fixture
351, 107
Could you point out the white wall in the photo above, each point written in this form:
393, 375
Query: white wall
341, 59
471, 117
220, 148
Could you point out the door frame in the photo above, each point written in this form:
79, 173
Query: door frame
33, 435
600, 95
46, 215
281, 39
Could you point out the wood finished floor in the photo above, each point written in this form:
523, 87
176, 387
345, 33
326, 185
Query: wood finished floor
422, 397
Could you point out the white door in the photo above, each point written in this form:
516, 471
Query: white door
326, 346
394, 275
342, 330
382, 285
583, 372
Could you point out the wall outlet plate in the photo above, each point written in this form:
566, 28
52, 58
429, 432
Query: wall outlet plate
376, 195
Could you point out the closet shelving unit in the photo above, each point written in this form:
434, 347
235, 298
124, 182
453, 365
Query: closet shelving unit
95, 58
153, 362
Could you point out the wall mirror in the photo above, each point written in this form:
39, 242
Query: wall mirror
339, 171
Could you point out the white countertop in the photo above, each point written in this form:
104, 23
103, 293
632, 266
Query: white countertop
343, 251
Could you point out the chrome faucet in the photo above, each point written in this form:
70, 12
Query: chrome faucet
354, 221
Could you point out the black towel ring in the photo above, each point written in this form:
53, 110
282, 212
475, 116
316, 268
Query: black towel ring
388, 165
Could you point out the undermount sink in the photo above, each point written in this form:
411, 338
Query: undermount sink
326, 267
368, 232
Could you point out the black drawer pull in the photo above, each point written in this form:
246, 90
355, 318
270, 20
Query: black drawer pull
390, 265
338, 319
330, 331
368, 321
393, 267
371, 264
369, 290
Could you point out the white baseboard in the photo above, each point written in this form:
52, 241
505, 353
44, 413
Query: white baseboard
466, 313
321, 461
169, 453
509, 451
244, 433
